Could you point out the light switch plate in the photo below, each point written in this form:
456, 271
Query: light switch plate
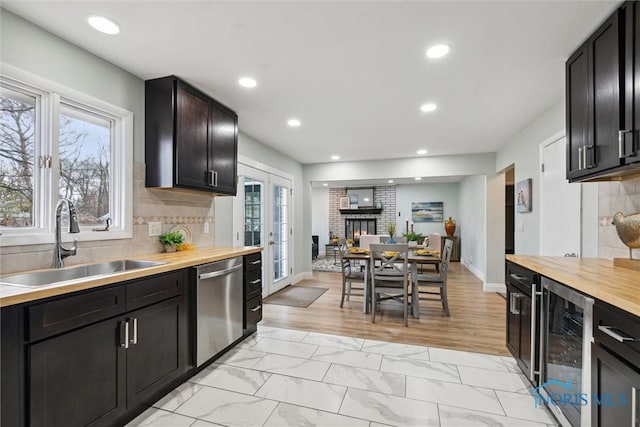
155, 228
205, 228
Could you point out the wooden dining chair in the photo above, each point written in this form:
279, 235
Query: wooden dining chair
389, 276
349, 277
426, 282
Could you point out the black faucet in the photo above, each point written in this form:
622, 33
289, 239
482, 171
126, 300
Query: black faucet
59, 251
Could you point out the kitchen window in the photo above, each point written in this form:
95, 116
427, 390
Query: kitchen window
55, 143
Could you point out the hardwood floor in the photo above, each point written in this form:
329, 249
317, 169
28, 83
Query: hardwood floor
477, 321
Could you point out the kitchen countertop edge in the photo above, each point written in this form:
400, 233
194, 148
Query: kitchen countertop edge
12, 295
595, 277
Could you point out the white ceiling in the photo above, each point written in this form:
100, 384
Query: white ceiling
354, 72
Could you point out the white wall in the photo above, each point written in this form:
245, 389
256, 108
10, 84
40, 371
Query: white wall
437, 192
320, 219
471, 224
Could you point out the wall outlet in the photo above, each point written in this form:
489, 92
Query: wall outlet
155, 228
205, 228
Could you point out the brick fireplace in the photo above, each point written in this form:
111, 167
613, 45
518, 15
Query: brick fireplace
337, 221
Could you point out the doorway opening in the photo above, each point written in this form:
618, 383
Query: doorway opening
509, 211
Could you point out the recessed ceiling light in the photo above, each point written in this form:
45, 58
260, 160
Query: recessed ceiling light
104, 25
437, 51
427, 108
325, 185
294, 123
418, 178
421, 152
247, 82
335, 157
390, 181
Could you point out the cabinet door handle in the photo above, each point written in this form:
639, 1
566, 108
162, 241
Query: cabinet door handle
512, 303
256, 308
256, 262
580, 152
621, 145
534, 319
616, 336
634, 407
213, 178
134, 339
253, 282
124, 333
588, 165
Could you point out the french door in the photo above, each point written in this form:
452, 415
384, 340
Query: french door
263, 218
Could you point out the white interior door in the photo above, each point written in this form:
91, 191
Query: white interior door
560, 205
263, 213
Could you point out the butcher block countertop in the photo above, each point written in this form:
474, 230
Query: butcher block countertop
10, 295
595, 277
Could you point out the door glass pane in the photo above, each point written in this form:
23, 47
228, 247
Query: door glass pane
280, 232
17, 154
253, 209
85, 162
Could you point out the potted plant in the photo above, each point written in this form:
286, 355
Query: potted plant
413, 238
391, 229
170, 240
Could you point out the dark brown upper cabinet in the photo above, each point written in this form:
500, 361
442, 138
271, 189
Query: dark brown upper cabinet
630, 136
191, 140
601, 96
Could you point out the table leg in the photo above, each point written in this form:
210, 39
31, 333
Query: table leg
366, 298
415, 295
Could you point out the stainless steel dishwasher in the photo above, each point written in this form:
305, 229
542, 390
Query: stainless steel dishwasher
218, 307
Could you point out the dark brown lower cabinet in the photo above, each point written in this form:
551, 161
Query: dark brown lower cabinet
97, 357
252, 292
617, 386
160, 352
91, 376
77, 378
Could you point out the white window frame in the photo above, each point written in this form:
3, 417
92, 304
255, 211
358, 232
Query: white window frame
49, 97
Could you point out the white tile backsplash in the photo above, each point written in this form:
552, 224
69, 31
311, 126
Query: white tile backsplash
615, 197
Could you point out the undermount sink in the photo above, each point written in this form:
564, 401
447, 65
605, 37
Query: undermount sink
58, 275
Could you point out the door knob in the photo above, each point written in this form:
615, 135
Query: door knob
271, 242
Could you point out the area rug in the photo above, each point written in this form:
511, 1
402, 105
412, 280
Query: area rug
296, 296
325, 264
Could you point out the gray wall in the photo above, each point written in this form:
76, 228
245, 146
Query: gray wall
437, 192
523, 151
30, 48
471, 224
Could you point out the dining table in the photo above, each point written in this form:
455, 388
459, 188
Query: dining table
414, 259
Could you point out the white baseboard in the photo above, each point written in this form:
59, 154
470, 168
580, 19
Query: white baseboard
473, 269
301, 276
494, 287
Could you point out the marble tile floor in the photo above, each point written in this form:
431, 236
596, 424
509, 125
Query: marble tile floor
285, 377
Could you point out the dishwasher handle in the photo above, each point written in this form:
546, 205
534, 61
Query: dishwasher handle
219, 273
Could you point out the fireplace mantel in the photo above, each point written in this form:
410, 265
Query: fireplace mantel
361, 211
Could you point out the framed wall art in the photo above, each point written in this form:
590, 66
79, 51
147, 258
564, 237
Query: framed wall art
427, 211
344, 202
523, 195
